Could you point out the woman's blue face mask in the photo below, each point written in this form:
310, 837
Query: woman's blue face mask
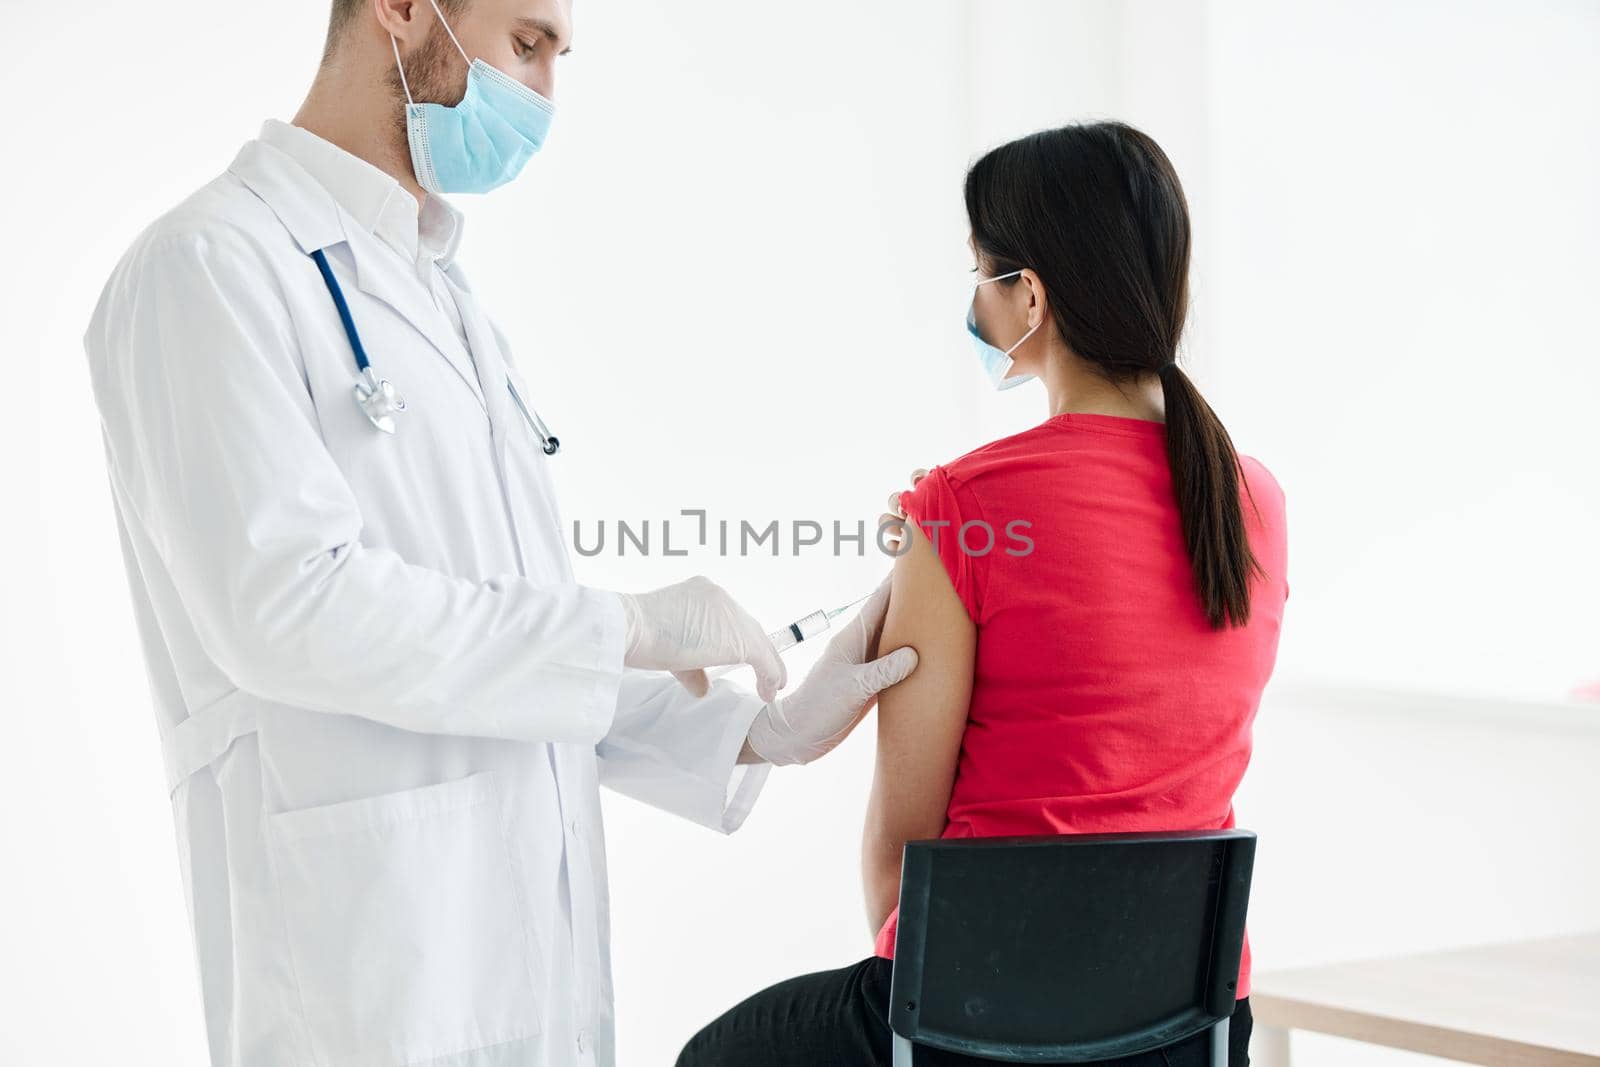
996, 363
482, 142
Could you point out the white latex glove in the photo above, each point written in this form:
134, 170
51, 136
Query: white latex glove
693, 625
836, 695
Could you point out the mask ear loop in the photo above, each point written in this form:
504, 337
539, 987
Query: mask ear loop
1024, 337
401, 67
451, 32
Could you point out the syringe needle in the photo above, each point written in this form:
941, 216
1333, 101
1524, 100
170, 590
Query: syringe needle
834, 613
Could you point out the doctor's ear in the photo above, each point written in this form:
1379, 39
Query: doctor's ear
401, 19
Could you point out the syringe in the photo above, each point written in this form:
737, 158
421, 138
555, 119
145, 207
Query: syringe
802, 629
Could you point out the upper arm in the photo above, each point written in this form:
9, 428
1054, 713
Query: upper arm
213, 435
921, 720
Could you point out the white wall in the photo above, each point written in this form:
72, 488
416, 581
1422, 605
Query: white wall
737, 279
1407, 230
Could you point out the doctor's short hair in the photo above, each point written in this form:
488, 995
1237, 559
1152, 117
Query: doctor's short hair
345, 12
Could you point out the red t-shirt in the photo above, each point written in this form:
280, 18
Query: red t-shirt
1102, 699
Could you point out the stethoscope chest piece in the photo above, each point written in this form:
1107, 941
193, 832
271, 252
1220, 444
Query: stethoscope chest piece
378, 400
547, 441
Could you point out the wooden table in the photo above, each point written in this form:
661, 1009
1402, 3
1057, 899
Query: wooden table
1532, 1002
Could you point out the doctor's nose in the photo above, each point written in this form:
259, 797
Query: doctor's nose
540, 76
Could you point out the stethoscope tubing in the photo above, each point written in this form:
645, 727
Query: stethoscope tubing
548, 442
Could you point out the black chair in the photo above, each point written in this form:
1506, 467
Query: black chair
1069, 949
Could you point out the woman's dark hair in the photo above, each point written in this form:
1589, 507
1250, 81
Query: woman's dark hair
1096, 211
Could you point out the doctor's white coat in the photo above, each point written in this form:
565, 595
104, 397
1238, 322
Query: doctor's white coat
385, 707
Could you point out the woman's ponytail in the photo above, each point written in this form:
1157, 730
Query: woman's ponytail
1206, 478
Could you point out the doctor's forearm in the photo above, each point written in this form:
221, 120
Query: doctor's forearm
361, 632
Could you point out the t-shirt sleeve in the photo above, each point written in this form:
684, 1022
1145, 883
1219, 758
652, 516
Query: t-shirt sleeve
1265, 512
947, 513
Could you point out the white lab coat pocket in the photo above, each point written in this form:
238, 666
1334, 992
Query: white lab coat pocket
405, 923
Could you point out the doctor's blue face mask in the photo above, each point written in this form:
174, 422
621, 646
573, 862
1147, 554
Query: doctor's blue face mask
482, 142
996, 363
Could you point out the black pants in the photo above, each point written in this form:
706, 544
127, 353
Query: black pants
841, 1019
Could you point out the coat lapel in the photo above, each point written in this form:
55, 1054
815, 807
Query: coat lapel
315, 221
381, 275
490, 360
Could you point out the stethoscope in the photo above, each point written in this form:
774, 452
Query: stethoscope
377, 398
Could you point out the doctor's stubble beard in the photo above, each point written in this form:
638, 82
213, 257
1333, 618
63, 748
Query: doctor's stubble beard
436, 75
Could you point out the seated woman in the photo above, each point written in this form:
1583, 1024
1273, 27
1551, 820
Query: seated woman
1095, 601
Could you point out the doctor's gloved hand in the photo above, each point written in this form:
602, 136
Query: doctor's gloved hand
695, 624
892, 532
842, 687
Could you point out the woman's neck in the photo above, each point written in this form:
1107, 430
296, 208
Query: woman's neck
1074, 387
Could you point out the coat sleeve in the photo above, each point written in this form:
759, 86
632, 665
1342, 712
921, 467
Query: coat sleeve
680, 753
215, 447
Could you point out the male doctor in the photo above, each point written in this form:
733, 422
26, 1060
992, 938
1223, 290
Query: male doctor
385, 706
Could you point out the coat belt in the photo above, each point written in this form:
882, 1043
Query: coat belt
202, 738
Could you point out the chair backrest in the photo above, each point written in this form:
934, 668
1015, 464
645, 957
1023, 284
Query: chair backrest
1069, 949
